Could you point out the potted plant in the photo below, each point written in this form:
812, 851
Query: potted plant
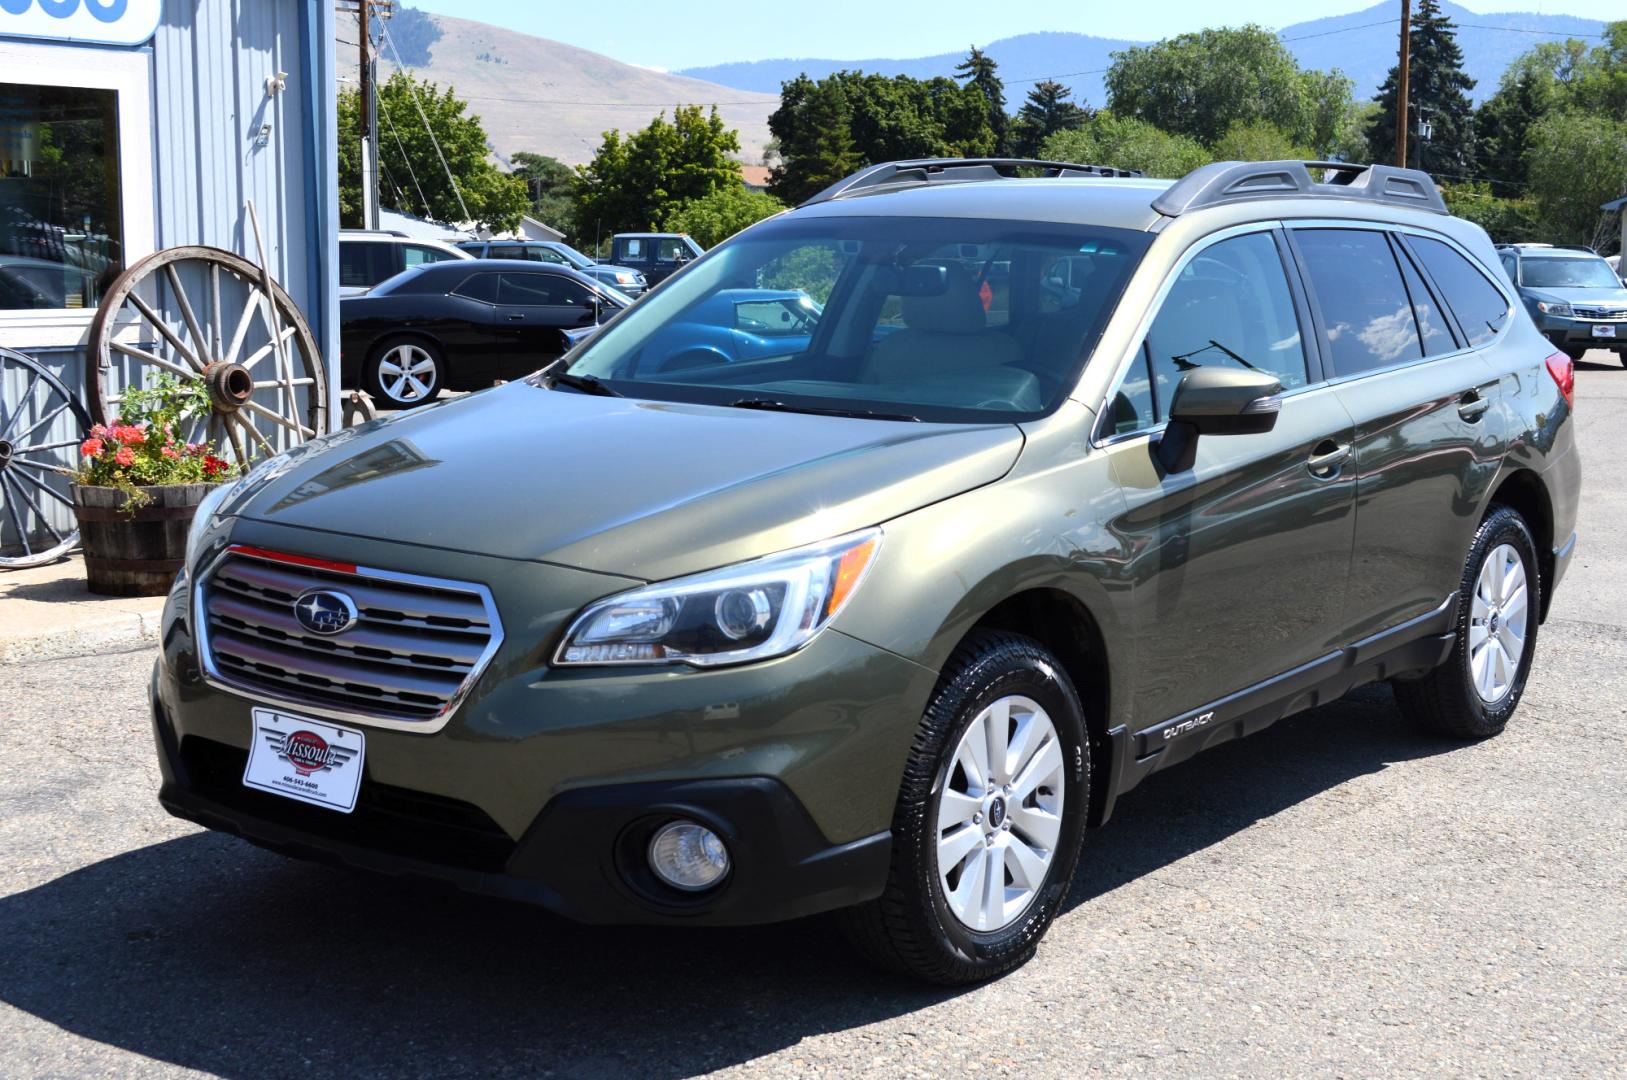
139, 485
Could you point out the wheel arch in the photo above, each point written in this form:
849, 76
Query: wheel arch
1523, 491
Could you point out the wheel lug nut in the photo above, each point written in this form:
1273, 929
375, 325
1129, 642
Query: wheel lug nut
977, 818
1006, 824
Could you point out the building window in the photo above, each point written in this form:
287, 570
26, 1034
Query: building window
60, 224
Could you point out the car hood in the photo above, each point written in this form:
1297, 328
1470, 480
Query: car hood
644, 489
1609, 298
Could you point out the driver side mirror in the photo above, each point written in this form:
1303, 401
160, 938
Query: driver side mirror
1216, 401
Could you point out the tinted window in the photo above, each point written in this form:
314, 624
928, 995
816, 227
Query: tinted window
1511, 267
363, 264
417, 254
541, 290
1479, 305
1230, 306
1367, 315
482, 287
1432, 331
542, 254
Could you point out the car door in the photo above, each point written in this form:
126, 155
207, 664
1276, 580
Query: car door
1419, 391
1240, 562
470, 332
533, 311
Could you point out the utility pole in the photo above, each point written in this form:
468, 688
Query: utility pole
1402, 89
368, 117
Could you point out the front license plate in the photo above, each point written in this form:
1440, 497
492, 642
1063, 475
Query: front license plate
305, 759
1604, 331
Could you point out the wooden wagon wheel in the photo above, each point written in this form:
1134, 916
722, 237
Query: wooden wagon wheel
41, 427
237, 332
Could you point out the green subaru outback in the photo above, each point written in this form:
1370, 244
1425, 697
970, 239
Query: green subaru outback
1059, 477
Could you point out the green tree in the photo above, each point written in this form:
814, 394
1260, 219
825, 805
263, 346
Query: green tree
714, 218
633, 182
1259, 141
550, 186
1048, 109
411, 174
1508, 221
1593, 152
980, 73
1438, 94
1127, 143
1199, 85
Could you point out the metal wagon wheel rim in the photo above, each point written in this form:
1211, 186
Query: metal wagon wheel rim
33, 460
216, 343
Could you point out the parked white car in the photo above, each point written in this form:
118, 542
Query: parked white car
367, 258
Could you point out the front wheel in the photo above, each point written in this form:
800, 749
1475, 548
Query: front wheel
406, 372
989, 820
1473, 694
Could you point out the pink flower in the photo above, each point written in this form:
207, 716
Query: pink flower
125, 456
98, 431
91, 447
129, 434
171, 452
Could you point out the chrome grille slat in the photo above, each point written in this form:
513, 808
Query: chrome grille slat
1599, 314
462, 651
421, 604
415, 649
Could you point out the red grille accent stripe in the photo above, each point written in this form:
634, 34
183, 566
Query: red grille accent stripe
297, 560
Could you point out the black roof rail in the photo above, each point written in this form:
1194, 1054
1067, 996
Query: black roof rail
1242, 181
939, 170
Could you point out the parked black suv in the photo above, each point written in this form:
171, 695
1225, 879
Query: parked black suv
655, 255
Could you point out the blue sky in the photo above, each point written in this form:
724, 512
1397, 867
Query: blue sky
687, 33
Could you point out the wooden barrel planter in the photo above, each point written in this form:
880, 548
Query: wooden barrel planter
135, 553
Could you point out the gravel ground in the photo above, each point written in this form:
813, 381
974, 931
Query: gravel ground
1336, 896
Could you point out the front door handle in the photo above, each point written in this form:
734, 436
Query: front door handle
1327, 459
1471, 406
516, 318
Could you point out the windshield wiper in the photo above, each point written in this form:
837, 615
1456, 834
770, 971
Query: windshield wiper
773, 405
587, 384
1184, 361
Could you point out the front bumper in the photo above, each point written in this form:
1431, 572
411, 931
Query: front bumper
1578, 333
546, 783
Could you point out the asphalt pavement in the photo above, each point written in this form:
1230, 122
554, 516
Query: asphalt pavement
1339, 895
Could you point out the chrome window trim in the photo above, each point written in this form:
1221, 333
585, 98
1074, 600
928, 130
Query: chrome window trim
1192, 251
213, 677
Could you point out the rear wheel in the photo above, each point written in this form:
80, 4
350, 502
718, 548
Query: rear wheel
406, 372
1474, 693
989, 820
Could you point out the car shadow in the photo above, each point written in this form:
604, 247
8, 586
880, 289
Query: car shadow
207, 953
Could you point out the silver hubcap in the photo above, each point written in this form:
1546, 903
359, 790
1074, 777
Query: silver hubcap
406, 373
1497, 624
1000, 814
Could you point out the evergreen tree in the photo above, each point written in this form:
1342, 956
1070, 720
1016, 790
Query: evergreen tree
1047, 111
981, 73
1438, 95
814, 128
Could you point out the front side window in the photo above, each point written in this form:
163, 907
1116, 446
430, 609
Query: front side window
545, 255
540, 290
1367, 315
1480, 306
945, 319
418, 255
60, 227
1230, 306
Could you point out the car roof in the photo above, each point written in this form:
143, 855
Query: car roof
1125, 203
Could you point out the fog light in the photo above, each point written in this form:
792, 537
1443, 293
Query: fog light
688, 856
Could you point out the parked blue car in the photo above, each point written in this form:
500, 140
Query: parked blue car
733, 325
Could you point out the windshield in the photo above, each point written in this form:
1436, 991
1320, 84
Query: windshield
945, 319
1546, 273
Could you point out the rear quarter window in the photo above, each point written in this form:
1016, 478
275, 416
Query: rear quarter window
1367, 315
1480, 307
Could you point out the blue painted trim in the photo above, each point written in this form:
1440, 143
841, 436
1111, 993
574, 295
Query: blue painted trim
319, 84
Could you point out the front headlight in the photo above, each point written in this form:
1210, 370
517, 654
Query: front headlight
750, 611
624, 279
1554, 307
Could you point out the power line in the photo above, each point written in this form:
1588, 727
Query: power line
433, 141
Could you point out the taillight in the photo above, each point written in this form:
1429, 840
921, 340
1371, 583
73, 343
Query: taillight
1563, 369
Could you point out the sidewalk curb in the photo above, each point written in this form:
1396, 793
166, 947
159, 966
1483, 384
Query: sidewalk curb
111, 633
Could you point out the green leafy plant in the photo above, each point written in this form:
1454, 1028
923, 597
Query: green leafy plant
144, 447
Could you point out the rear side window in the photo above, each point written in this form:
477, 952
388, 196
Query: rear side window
1432, 331
1229, 307
1366, 312
482, 287
1481, 308
363, 264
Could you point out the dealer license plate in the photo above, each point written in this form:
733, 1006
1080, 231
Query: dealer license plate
305, 759
1604, 331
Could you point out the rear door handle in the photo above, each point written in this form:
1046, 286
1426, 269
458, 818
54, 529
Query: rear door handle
1471, 406
1328, 458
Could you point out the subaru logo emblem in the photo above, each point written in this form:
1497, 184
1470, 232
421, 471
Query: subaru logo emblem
325, 611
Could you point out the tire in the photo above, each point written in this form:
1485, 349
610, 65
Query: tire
1462, 699
399, 367
920, 927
